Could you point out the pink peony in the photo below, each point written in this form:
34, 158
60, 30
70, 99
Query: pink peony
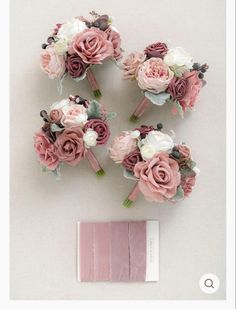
92, 46
187, 184
131, 63
193, 88
52, 63
101, 127
159, 177
45, 151
122, 145
154, 75
114, 38
70, 145
74, 114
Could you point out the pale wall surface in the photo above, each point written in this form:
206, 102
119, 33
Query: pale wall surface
44, 211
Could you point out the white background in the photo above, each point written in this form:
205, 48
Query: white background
44, 211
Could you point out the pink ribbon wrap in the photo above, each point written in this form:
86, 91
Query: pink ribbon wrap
93, 161
141, 107
92, 80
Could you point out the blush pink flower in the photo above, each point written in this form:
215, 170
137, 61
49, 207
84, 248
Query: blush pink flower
131, 63
92, 46
159, 177
70, 145
122, 145
114, 38
74, 114
194, 85
154, 75
46, 151
56, 115
51, 63
187, 184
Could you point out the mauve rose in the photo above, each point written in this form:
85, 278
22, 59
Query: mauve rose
51, 63
154, 75
70, 145
193, 88
144, 130
46, 151
187, 184
131, 159
184, 151
131, 63
114, 38
92, 46
178, 87
158, 50
56, 115
159, 177
75, 66
101, 127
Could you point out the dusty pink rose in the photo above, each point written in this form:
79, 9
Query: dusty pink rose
178, 87
154, 75
92, 46
187, 184
144, 130
74, 114
159, 177
193, 88
131, 63
102, 129
46, 151
122, 145
70, 145
75, 66
156, 50
52, 63
131, 159
114, 38
184, 151
56, 115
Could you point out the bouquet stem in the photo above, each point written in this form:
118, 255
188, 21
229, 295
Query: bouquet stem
93, 83
94, 163
132, 196
140, 109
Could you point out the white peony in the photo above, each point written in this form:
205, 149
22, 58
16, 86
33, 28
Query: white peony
178, 56
147, 151
61, 104
70, 29
90, 138
61, 46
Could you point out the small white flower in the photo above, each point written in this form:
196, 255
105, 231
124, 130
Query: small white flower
147, 151
61, 46
90, 138
159, 140
135, 134
70, 29
61, 104
178, 56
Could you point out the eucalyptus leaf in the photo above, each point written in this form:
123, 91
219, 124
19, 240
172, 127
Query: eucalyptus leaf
111, 115
93, 110
179, 194
56, 128
157, 99
57, 173
187, 172
78, 79
178, 70
177, 106
129, 175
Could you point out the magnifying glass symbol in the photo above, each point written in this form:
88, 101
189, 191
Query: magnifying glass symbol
209, 283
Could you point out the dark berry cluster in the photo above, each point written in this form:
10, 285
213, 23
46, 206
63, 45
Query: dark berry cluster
201, 69
102, 22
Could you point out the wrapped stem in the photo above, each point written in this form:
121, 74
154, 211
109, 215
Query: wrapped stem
94, 163
93, 83
140, 109
132, 196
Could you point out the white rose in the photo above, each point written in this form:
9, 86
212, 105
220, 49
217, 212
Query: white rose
61, 46
178, 56
90, 138
159, 141
147, 151
71, 28
61, 104
135, 134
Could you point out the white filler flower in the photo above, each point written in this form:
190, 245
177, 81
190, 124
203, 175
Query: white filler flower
90, 138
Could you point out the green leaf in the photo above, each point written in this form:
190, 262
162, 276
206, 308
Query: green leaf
187, 172
93, 110
56, 128
111, 115
178, 70
157, 99
177, 105
129, 175
179, 194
